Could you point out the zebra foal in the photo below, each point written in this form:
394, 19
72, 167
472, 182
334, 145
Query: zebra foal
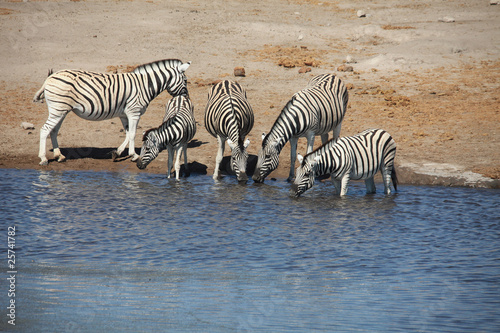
99, 96
357, 157
229, 117
177, 129
315, 110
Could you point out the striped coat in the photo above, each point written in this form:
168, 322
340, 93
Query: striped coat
357, 157
229, 118
174, 134
315, 110
99, 96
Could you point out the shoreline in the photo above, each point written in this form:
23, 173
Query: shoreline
426, 174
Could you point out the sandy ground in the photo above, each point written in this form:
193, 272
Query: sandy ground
433, 84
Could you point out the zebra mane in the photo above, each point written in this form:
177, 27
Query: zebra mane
145, 135
150, 65
319, 148
286, 107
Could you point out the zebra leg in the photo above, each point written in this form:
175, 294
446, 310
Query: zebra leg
186, 168
336, 131
336, 184
178, 161
133, 122
116, 153
293, 156
324, 138
220, 155
344, 181
386, 176
370, 185
51, 127
170, 150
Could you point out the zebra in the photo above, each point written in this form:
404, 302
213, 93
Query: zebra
315, 110
99, 96
229, 117
177, 129
356, 157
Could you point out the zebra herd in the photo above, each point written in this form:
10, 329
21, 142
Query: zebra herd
313, 111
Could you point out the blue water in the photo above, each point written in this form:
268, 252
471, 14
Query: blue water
106, 252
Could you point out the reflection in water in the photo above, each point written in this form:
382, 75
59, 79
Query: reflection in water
139, 252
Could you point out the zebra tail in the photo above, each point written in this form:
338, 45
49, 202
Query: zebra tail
394, 178
39, 95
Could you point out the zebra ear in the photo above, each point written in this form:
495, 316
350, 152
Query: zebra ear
263, 136
300, 158
247, 142
316, 160
184, 67
230, 143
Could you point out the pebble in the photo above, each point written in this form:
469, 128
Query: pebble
361, 13
301, 37
345, 68
304, 69
447, 19
494, 2
27, 126
239, 71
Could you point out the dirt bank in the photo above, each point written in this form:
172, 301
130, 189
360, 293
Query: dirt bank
433, 85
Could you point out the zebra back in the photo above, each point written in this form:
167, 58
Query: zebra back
228, 113
320, 108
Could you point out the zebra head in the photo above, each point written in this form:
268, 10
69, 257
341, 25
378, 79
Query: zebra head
305, 174
268, 159
239, 157
150, 148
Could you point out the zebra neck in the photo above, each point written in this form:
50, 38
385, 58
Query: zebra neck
155, 83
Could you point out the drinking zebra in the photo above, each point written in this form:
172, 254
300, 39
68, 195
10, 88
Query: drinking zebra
229, 116
178, 128
315, 110
98, 96
356, 157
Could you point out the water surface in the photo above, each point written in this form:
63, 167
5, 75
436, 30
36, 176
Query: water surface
100, 251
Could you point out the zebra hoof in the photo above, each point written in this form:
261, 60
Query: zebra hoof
114, 155
134, 158
61, 159
44, 162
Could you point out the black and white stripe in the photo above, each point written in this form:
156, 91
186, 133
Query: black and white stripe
98, 96
178, 128
315, 110
229, 117
356, 157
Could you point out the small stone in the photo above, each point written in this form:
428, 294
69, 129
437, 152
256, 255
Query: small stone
494, 2
27, 126
361, 13
239, 71
447, 19
304, 69
345, 68
301, 37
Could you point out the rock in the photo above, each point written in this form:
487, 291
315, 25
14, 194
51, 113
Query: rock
27, 126
361, 13
239, 71
494, 2
304, 69
301, 37
345, 68
447, 19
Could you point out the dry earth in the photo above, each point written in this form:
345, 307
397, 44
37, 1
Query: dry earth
433, 85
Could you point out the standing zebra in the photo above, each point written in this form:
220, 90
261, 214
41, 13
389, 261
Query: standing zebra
229, 116
315, 110
178, 128
98, 96
356, 157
